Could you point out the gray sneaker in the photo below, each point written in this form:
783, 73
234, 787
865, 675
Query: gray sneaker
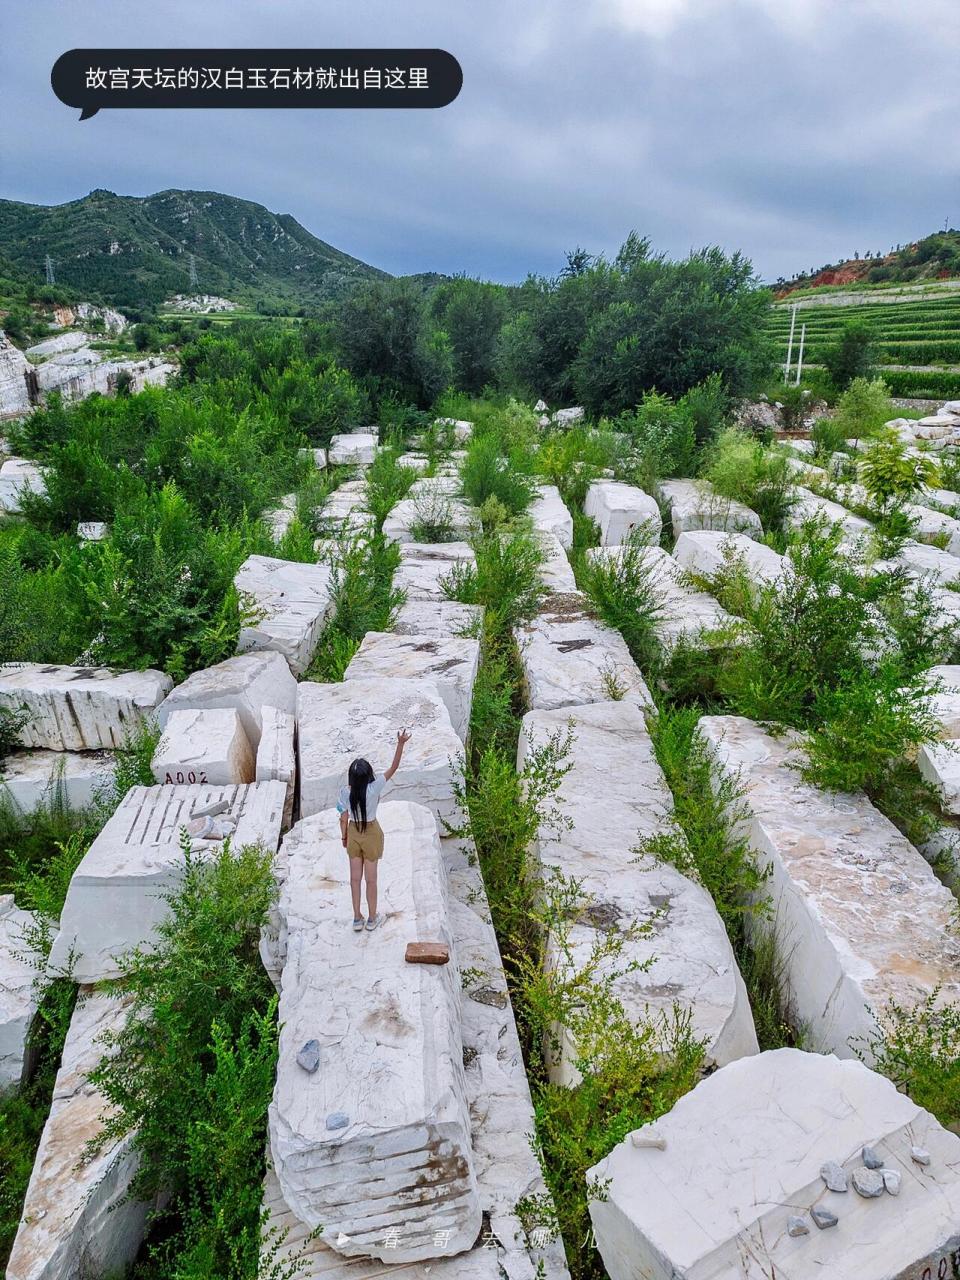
372, 923
358, 925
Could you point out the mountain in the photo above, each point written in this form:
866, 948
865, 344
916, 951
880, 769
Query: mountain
135, 251
935, 257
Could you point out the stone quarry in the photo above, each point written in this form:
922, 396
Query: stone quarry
622, 511
685, 959
289, 603
861, 920
375, 1142
79, 708
115, 899
733, 1183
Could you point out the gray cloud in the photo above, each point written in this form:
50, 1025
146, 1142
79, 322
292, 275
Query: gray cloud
795, 130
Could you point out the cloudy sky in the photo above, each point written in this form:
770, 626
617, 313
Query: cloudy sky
795, 130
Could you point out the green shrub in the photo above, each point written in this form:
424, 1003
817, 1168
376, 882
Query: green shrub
623, 589
487, 474
829, 437
363, 599
851, 355
919, 1050
203, 1013
387, 484
506, 578
664, 434
863, 408
742, 469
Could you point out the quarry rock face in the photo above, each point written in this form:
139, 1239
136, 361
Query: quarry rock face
291, 602
622, 511
116, 896
77, 1220
744, 1156
860, 918
695, 504
686, 960
358, 449
79, 708
424, 566
15, 380
248, 682
707, 553
449, 664
375, 1143
19, 995
550, 515
569, 657
202, 746
681, 611
74, 778
338, 722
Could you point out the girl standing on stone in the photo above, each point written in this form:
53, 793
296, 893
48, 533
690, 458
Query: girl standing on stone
360, 831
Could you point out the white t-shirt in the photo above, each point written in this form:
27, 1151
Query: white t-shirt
374, 791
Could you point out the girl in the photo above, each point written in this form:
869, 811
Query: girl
360, 831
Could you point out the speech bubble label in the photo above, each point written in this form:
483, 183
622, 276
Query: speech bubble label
247, 79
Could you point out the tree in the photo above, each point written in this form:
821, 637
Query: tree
851, 356
892, 476
471, 313
863, 408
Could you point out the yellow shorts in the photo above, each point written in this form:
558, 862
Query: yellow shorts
368, 844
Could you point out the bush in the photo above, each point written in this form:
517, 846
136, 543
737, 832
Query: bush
623, 589
487, 474
506, 578
919, 1050
851, 355
863, 408
743, 470
203, 1013
664, 434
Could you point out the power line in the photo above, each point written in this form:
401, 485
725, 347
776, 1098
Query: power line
51, 274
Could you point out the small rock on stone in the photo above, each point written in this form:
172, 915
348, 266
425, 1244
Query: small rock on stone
867, 1183
309, 1056
823, 1217
337, 1120
891, 1180
834, 1176
871, 1159
797, 1226
920, 1155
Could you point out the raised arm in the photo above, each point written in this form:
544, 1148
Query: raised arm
402, 739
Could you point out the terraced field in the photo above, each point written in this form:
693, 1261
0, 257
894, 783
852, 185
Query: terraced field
917, 342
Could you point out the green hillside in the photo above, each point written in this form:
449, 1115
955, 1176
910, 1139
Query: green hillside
135, 252
916, 342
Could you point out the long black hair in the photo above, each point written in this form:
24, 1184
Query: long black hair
359, 777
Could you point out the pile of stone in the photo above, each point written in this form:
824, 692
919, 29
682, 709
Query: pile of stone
939, 762
550, 515
679, 610
783, 1164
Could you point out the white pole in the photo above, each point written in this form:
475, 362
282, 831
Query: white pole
793, 325
803, 338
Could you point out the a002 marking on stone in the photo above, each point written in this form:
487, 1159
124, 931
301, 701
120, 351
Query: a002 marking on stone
191, 775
